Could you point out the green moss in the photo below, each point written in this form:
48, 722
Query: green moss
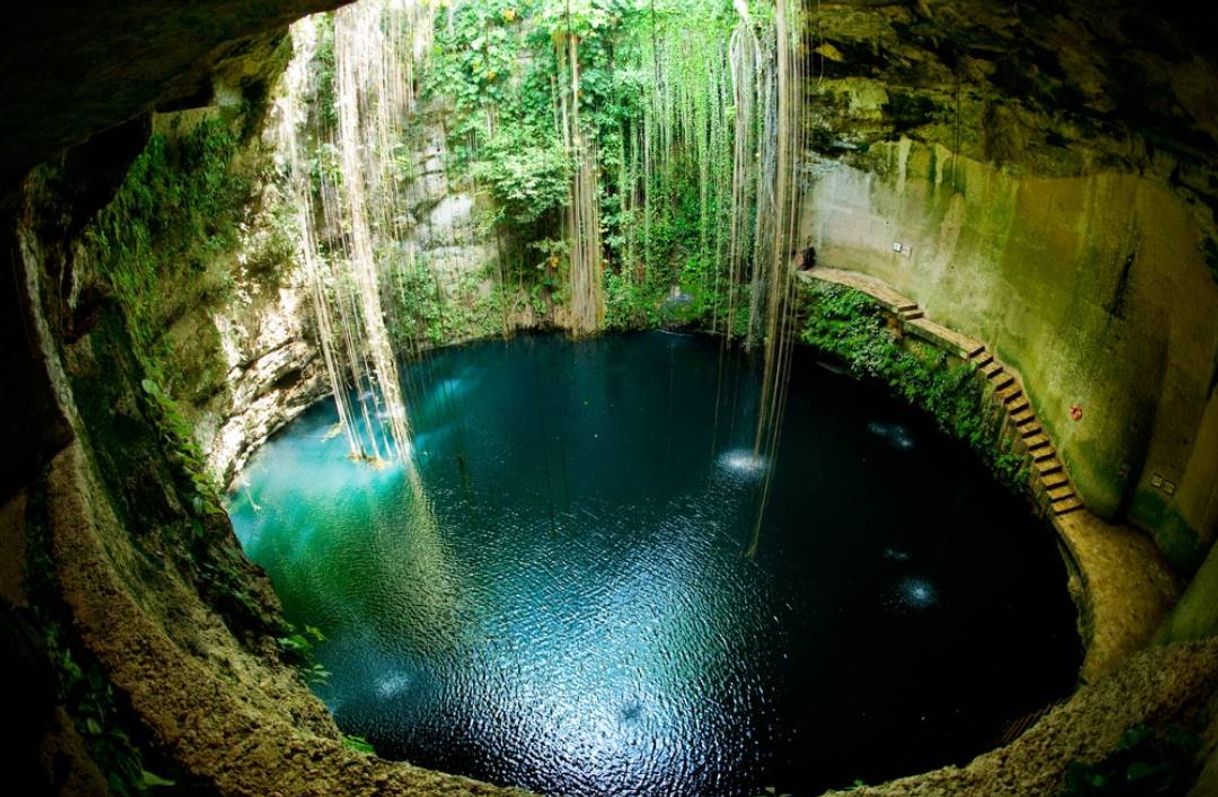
1176, 538
850, 326
161, 247
177, 211
113, 739
123, 439
155, 479
1196, 615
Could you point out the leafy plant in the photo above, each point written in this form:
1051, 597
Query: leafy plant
359, 744
82, 687
301, 647
850, 326
1144, 763
178, 437
528, 180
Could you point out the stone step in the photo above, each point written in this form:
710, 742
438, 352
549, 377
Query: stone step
1050, 465
1042, 453
991, 369
1016, 404
1066, 505
1009, 394
1023, 417
982, 358
1030, 429
1002, 380
1035, 441
910, 315
1059, 492
940, 336
904, 306
1054, 479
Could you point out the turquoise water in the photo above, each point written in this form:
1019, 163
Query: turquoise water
567, 606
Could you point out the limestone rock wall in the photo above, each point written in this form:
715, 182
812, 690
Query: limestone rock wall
266, 323
1095, 287
274, 372
442, 228
1045, 177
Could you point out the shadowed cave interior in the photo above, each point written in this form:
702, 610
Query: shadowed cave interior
601, 397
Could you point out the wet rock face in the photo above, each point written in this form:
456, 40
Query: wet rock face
266, 336
73, 69
1046, 87
441, 227
274, 373
1044, 175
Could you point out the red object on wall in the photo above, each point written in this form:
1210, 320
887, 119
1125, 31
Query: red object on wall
1076, 412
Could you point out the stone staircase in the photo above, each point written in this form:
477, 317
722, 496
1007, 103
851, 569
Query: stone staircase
1050, 484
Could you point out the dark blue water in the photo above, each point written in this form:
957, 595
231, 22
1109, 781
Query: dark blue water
567, 607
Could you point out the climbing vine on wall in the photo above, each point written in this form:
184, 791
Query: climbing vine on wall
623, 147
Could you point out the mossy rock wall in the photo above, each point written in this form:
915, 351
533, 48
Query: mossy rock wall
1095, 287
1196, 615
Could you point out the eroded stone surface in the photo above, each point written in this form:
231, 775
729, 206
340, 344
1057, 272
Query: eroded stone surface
1128, 588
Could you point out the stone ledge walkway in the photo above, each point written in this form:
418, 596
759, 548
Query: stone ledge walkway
1126, 587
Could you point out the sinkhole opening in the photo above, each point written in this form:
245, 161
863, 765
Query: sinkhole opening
565, 604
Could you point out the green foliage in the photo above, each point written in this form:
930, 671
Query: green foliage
90, 699
158, 246
324, 93
177, 210
476, 65
429, 313
631, 304
1144, 763
496, 66
359, 744
177, 434
82, 687
655, 105
850, 326
300, 648
527, 180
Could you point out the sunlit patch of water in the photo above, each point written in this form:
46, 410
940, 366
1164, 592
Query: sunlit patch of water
894, 433
743, 463
912, 593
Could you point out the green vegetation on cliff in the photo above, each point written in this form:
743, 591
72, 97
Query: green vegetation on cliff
851, 327
161, 249
177, 210
658, 102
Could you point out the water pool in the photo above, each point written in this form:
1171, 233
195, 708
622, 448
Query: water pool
568, 607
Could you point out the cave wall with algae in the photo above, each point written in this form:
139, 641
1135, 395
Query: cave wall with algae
1043, 177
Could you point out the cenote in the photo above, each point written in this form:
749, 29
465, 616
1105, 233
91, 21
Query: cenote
566, 604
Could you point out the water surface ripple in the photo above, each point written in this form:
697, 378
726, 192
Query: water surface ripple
570, 609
